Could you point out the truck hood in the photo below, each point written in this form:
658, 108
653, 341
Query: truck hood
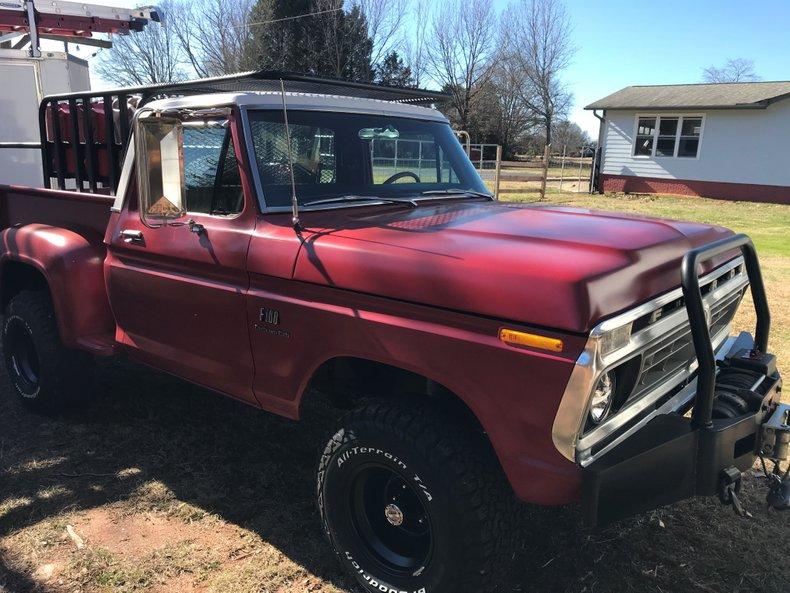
549, 266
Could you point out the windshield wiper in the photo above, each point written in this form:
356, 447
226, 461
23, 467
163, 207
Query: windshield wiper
356, 198
452, 191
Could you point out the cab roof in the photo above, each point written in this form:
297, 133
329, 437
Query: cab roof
301, 102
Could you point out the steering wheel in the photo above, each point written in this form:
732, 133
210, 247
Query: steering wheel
401, 175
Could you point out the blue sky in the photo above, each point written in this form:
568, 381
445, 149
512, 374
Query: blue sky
625, 42
622, 42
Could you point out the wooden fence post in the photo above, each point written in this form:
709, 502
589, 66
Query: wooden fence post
496, 173
545, 172
562, 166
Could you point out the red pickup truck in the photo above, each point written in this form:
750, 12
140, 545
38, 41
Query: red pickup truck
334, 238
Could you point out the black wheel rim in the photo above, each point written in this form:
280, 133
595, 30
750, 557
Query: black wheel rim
21, 356
391, 520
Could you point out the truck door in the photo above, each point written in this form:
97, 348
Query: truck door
176, 272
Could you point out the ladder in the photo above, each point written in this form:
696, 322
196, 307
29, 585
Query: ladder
25, 22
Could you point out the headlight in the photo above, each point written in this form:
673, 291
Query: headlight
601, 401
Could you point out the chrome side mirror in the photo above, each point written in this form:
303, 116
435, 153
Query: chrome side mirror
160, 150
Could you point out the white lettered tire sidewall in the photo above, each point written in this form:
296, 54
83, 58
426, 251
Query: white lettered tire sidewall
359, 448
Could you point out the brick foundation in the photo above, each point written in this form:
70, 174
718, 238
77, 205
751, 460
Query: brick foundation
776, 194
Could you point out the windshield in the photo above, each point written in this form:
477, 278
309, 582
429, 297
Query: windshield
341, 154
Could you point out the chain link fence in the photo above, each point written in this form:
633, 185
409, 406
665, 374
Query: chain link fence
552, 172
571, 171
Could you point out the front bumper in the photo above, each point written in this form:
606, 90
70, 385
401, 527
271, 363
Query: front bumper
670, 459
687, 452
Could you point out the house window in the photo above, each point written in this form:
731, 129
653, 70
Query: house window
689, 137
668, 136
645, 133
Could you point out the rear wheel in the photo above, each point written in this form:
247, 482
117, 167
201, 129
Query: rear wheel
47, 376
411, 501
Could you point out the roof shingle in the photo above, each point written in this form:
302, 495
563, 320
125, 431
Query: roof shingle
729, 95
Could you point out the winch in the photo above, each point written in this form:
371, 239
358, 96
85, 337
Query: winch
742, 382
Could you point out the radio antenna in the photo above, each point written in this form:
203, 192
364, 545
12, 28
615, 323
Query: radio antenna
294, 201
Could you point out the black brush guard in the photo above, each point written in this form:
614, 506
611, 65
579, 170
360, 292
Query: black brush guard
672, 458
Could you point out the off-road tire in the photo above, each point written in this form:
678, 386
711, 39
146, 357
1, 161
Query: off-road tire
469, 505
47, 376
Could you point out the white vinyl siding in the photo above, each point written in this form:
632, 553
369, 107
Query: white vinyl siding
735, 146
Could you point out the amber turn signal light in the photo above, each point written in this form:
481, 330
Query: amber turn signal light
517, 338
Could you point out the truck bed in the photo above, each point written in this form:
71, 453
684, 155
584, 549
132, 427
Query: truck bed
87, 214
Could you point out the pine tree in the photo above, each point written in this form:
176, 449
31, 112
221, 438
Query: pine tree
392, 71
332, 43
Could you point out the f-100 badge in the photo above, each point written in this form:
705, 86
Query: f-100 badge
267, 319
270, 316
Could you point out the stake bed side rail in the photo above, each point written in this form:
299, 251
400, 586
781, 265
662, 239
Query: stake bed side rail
84, 134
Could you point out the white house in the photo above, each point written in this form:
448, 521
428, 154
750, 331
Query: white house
728, 140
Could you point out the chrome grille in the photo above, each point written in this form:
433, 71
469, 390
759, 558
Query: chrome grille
662, 350
662, 344
675, 350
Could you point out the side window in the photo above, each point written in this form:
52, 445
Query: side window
211, 173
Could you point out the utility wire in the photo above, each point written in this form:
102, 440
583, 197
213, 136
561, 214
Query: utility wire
286, 18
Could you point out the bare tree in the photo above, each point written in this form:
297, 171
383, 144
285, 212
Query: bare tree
214, 35
462, 50
151, 56
734, 70
569, 134
415, 46
385, 19
513, 117
537, 38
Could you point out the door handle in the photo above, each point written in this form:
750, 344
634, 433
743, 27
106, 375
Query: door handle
195, 227
132, 236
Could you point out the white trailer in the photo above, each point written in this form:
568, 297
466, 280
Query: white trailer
28, 73
24, 82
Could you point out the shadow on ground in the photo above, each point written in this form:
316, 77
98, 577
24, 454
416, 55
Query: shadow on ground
256, 471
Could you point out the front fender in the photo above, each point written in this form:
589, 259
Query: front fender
72, 266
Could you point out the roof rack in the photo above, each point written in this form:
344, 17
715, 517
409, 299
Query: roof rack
269, 80
84, 134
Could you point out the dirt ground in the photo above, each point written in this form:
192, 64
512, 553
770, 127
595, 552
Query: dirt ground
164, 487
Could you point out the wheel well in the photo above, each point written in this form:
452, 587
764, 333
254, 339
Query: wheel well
346, 381
16, 277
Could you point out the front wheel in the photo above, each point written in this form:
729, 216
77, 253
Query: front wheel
410, 501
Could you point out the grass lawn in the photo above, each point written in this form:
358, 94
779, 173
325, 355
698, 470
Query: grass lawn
164, 487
